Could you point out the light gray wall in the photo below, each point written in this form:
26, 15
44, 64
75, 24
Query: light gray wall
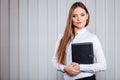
29, 29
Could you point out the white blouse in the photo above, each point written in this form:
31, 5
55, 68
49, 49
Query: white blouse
86, 70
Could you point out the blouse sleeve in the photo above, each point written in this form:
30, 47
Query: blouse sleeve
100, 64
59, 67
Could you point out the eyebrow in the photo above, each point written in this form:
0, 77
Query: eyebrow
78, 14
74, 14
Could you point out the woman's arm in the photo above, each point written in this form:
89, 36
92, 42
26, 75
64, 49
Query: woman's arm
59, 67
100, 63
72, 69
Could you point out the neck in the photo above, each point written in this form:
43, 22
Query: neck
76, 29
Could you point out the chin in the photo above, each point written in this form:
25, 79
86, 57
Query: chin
79, 27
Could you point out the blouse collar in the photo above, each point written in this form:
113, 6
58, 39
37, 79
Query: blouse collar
82, 31
79, 33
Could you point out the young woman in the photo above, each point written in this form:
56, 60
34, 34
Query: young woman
76, 32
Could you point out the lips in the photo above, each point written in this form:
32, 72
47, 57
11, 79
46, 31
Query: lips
78, 22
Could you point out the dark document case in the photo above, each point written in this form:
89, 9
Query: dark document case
82, 53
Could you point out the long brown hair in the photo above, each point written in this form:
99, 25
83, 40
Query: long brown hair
68, 33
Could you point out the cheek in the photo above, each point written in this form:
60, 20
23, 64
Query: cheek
84, 22
73, 21
84, 19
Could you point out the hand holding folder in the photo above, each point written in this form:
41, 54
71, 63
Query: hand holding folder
82, 53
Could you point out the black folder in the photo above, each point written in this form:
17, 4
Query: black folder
82, 53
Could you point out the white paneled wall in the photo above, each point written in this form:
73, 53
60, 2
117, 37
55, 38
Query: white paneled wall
100, 28
23, 40
110, 38
5, 40
29, 30
117, 39
43, 39
13, 39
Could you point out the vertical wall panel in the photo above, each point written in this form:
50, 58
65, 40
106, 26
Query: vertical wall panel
100, 27
52, 27
83, 1
4, 40
117, 39
14, 45
100, 21
91, 6
43, 33
110, 39
61, 16
23, 40
33, 39
69, 4
0, 39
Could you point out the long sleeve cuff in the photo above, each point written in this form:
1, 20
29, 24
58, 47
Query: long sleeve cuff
92, 67
61, 67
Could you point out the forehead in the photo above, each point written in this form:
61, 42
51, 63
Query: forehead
78, 10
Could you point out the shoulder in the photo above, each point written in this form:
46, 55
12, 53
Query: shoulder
59, 37
95, 39
92, 35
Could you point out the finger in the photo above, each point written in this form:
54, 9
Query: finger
73, 64
76, 71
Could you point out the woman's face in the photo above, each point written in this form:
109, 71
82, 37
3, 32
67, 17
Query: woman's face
79, 18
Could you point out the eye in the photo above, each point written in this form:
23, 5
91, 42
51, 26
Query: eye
82, 14
74, 16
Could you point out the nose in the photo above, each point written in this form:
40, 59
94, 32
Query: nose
78, 18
